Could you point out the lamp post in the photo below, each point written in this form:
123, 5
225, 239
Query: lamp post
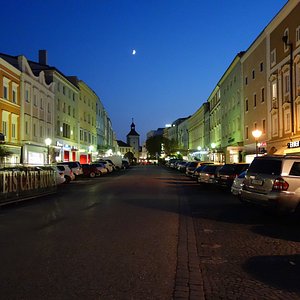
256, 134
48, 142
286, 41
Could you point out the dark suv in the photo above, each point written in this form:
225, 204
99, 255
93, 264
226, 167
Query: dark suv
228, 172
273, 181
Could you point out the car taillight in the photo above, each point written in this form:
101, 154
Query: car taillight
280, 184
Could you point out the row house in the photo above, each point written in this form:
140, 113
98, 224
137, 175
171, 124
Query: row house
255, 110
283, 75
36, 111
216, 153
10, 111
198, 133
231, 107
39, 103
86, 121
65, 141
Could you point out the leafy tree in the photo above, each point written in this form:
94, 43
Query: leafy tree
154, 146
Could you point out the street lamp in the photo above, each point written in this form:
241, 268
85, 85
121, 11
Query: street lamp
48, 142
285, 40
256, 134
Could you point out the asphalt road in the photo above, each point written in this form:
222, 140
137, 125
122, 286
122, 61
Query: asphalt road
113, 237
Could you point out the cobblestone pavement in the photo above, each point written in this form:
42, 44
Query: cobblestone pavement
242, 252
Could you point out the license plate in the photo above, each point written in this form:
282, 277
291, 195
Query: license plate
257, 182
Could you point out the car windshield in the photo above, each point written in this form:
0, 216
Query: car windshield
265, 166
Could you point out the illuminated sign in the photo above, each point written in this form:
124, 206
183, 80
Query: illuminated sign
295, 144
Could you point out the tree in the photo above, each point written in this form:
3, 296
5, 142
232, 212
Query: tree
154, 146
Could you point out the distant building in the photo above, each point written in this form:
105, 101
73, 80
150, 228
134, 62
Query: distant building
133, 139
124, 148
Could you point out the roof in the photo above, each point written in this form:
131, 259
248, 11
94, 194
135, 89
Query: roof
122, 144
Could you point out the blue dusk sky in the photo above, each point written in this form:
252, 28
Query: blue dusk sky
183, 47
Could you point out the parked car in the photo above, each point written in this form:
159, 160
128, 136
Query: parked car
90, 170
101, 167
75, 166
209, 173
107, 165
229, 172
237, 184
191, 167
197, 172
60, 177
68, 173
181, 166
273, 181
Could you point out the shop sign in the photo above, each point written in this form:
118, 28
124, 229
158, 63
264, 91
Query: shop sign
26, 182
295, 144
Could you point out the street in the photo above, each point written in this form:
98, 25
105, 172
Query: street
146, 233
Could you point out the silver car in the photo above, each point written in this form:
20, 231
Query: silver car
273, 181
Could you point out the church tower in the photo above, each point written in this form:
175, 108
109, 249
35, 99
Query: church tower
133, 139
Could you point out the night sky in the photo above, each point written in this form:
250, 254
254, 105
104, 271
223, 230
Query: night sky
182, 49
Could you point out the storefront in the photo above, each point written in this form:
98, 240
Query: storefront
35, 154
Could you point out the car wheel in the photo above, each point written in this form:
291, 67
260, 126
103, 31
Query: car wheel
92, 174
68, 179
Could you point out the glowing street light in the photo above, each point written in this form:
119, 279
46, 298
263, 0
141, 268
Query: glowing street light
256, 134
48, 142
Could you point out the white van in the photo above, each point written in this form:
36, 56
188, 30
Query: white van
116, 159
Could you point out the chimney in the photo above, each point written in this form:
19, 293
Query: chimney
43, 57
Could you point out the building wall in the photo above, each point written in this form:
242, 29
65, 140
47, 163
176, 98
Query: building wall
231, 104
255, 85
283, 105
10, 110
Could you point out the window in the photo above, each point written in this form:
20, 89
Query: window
253, 74
64, 90
41, 131
255, 125
58, 104
5, 92
14, 96
264, 126
287, 121
246, 105
66, 130
286, 83
247, 133
274, 91
246, 80
69, 110
295, 170
26, 127
73, 112
261, 66
48, 108
13, 131
274, 124
263, 95
273, 57
285, 45
254, 100
41, 104
27, 96
35, 100
298, 35
4, 128
34, 130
